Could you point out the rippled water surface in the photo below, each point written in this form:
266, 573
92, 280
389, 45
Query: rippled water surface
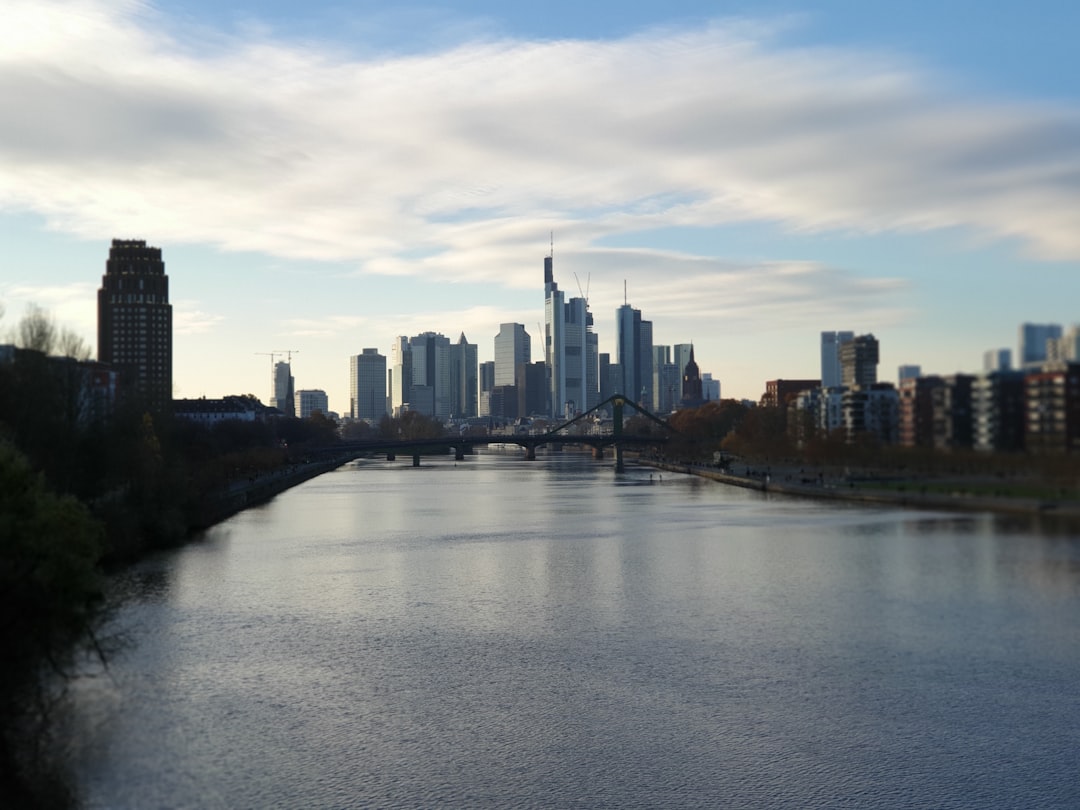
501, 633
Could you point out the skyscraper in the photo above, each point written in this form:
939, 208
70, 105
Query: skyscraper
830, 357
634, 354
463, 378
135, 321
367, 385
401, 374
554, 339
513, 348
431, 371
581, 358
282, 386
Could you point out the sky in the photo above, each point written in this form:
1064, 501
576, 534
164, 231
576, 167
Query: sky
324, 176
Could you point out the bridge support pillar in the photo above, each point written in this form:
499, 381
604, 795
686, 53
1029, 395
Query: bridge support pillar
530, 453
416, 460
459, 454
598, 453
619, 460
391, 457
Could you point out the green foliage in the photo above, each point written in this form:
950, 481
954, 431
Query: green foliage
50, 589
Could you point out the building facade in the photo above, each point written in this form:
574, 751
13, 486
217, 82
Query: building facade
310, 401
464, 388
135, 322
830, 357
858, 362
367, 386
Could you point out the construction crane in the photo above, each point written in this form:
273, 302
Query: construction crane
272, 355
585, 292
288, 354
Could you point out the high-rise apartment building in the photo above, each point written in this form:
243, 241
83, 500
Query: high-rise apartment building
135, 321
858, 362
830, 357
367, 385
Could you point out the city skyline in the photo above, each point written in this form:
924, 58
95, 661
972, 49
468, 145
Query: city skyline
756, 174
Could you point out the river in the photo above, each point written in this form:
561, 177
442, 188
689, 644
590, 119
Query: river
503, 633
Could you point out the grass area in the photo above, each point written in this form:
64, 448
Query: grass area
980, 489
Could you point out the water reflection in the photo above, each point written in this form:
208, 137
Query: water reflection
501, 633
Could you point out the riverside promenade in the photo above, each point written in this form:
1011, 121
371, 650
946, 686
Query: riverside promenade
791, 480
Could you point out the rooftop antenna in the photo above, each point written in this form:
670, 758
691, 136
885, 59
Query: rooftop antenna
552, 244
625, 302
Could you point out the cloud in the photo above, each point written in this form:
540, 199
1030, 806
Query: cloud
189, 320
444, 164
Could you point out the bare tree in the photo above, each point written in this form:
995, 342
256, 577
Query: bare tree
36, 331
71, 344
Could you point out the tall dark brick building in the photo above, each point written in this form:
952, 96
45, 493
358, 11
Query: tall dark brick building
135, 322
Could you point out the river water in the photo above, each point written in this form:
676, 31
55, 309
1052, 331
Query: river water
502, 633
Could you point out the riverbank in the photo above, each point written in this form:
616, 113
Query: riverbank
241, 495
906, 493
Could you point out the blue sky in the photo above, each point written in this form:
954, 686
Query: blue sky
324, 176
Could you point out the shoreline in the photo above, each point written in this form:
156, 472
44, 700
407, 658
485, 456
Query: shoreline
1030, 507
261, 490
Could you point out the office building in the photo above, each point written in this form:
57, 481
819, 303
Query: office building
571, 350
400, 376
710, 388
463, 379
135, 322
634, 354
513, 348
554, 339
282, 387
1033, 342
830, 357
997, 360
908, 373
667, 381
367, 385
431, 369
309, 401
681, 355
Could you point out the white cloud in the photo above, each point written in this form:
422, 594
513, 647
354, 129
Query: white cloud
462, 155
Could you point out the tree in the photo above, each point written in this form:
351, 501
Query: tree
36, 331
50, 589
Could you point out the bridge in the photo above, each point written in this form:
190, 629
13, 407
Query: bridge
617, 439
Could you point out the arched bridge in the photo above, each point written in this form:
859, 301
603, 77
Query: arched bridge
617, 438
